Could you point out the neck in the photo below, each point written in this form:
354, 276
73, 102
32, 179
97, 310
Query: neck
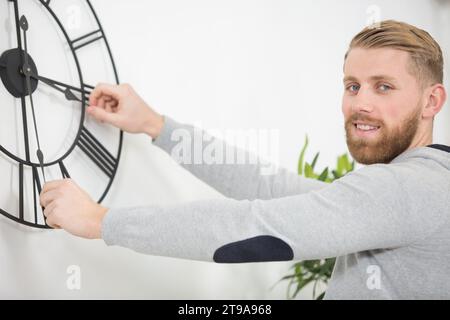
422, 139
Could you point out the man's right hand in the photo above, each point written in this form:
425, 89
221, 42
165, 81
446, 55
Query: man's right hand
120, 106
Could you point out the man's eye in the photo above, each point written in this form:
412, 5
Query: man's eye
384, 87
353, 88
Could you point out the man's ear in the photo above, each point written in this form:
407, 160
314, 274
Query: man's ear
435, 99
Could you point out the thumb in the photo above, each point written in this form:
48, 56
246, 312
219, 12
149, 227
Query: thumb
102, 115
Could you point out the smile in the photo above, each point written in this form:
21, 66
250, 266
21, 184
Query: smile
365, 130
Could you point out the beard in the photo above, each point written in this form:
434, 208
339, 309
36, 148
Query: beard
388, 144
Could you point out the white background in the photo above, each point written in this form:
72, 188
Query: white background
219, 64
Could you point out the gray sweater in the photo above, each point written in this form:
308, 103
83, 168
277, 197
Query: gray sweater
387, 224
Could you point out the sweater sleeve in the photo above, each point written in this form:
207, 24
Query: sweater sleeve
377, 206
248, 180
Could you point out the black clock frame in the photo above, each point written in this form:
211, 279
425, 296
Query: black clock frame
84, 139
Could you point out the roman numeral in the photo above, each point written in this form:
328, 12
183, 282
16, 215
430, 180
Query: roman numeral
86, 39
37, 189
36, 185
97, 152
36, 193
64, 172
87, 92
21, 207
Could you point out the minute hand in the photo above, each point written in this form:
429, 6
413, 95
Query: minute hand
57, 86
26, 70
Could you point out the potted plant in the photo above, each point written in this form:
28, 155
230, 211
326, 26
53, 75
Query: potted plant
315, 271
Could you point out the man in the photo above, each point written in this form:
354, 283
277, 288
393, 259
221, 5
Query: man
390, 218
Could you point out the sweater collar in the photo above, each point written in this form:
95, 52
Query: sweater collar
440, 147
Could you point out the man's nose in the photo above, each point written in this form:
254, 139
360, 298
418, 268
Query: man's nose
363, 101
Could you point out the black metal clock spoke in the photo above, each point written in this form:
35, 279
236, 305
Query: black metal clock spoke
36, 186
18, 28
84, 40
97, 152
64, 172
21, 192
26, 70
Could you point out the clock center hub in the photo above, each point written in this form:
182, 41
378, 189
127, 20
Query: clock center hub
13, 75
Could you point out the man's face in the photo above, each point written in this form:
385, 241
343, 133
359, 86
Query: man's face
381, 104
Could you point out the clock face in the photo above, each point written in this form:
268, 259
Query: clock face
52, 53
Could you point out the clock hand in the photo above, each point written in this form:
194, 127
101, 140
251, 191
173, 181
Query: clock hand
56, 85
18, 27
22, 99
26, 70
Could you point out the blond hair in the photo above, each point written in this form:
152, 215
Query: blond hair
427, 63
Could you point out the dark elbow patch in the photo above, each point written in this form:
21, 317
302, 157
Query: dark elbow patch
257, 249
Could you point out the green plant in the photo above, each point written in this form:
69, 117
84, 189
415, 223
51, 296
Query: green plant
315, 271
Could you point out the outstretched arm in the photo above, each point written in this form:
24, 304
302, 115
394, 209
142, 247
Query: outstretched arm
121, 106
371, 208
249, 179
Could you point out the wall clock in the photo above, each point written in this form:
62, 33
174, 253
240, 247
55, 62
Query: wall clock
52, 53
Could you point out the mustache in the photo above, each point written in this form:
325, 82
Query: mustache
363, 118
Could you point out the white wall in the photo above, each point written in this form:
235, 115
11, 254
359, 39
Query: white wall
220, 64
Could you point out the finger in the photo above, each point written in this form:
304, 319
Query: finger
113, 103
103, 89
112, 106
49, 209
102, 115
108, 107
51, 222
48, 197
50, 218
101, 102
51, 185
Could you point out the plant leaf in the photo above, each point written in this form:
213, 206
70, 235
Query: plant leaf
316, 271
321, 296
308, 171
340, 165
335, 174
323, 175
313, 164
302, 156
